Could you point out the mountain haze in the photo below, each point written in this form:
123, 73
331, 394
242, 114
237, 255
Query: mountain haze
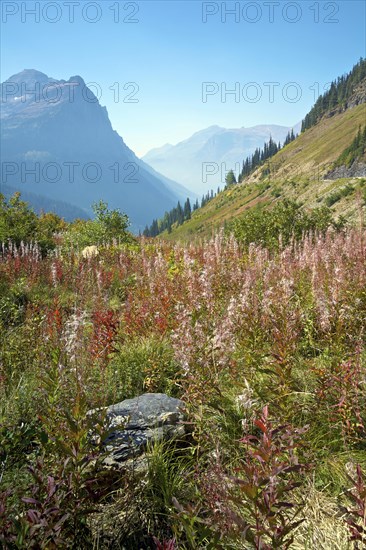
58, 142
324, 166
221, 148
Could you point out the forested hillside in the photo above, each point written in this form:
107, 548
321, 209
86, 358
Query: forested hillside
339, 95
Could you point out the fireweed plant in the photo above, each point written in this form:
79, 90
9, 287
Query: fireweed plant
266, 348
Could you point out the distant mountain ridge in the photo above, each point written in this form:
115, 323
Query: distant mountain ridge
58, 142
214, 148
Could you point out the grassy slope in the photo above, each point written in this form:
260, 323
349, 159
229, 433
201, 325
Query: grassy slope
296, 172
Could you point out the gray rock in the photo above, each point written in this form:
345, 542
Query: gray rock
356, 170
134, 423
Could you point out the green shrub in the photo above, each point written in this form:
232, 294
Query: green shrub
337, 195
285, 220
19, 223
13, 304
107, 225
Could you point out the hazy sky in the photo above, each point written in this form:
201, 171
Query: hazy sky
165, 69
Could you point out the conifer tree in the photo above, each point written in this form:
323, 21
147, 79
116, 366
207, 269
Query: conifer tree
230, 178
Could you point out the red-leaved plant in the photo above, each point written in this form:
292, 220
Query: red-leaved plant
356, 516
165, 544
255, 504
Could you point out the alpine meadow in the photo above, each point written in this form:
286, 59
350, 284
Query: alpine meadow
183, 326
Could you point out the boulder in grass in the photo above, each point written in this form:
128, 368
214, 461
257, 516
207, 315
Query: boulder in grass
135, 423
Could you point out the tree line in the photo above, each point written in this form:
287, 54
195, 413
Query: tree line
177, 215
339, 92
261, 155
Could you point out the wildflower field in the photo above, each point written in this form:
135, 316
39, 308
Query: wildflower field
266, 349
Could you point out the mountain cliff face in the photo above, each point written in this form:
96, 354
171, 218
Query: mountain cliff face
57, 141
200, 162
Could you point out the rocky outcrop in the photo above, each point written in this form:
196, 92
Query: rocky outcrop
135, 423
357, 169
357, 98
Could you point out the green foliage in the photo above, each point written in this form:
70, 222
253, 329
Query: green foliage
177, 215
261, 155
290, 137
230, 178
254, 505
106, 226
19, 223
338, 195
139, 366
286, 220
13, 304
15, 442
339, 92
268, 475
66, 479
170, 473
49, 226
355, 151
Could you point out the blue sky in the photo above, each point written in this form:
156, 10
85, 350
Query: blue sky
277, 56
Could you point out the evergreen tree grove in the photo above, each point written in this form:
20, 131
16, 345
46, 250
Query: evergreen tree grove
339, 92
177, 215
261, 155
